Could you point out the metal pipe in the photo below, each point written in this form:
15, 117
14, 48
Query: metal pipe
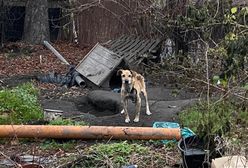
80, 81
78, 78
50, 47
88, 132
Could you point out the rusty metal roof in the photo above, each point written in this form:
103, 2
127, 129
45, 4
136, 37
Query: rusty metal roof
98, 64
132, 48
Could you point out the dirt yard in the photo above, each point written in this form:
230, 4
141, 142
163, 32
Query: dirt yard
21, 63
75, 102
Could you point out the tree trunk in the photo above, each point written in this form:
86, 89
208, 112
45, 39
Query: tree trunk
36, 28
2, 15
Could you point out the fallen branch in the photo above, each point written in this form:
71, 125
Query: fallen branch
222, 89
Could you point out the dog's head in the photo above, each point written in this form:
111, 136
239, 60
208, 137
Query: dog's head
126, 76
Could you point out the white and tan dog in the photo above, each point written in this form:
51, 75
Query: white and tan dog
133, 85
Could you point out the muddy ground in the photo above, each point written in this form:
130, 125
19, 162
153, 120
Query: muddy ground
22, 63
102, 107
94, 106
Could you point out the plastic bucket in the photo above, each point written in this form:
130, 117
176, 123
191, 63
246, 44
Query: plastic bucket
193, 153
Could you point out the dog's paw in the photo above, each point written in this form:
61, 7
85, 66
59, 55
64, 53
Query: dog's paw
148, 113
122, 111
127, 120
136, 120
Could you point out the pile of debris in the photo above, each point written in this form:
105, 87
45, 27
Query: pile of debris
98, 68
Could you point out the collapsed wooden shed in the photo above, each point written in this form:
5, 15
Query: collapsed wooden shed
100, 65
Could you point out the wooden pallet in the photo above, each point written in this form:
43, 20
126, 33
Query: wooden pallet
132, 48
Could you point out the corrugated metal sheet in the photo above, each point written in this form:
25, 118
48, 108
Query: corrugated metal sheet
98, 64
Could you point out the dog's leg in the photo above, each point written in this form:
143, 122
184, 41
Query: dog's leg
127, 119
137, 108
148, 112
123, 104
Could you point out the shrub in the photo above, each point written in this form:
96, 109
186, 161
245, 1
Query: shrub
213, 121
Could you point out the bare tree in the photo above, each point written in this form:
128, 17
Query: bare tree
36, 28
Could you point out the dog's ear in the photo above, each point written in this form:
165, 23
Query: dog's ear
119, 72
134, 74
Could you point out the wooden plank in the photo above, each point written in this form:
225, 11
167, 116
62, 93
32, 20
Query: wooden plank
114, 41
147, 47
97, 47
99, 61
131, 46
126, 45
86, 56
107, 52
100, 77
118, 42
133, 49
94, 73
139, 49
151, 45
92, 70
104, 57
123, 44
123, 37
111, 52
111, 71
88, 61
112, 57
98, 64
89, 65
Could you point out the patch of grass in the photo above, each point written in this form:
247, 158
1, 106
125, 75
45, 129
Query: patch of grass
20, 105
123, 153
117, 153
155, 142
61, 121
53, 144
243, 117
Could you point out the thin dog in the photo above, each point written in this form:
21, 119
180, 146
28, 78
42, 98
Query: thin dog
133, 85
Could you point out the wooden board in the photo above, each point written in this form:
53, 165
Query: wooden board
98, 64
132, 47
